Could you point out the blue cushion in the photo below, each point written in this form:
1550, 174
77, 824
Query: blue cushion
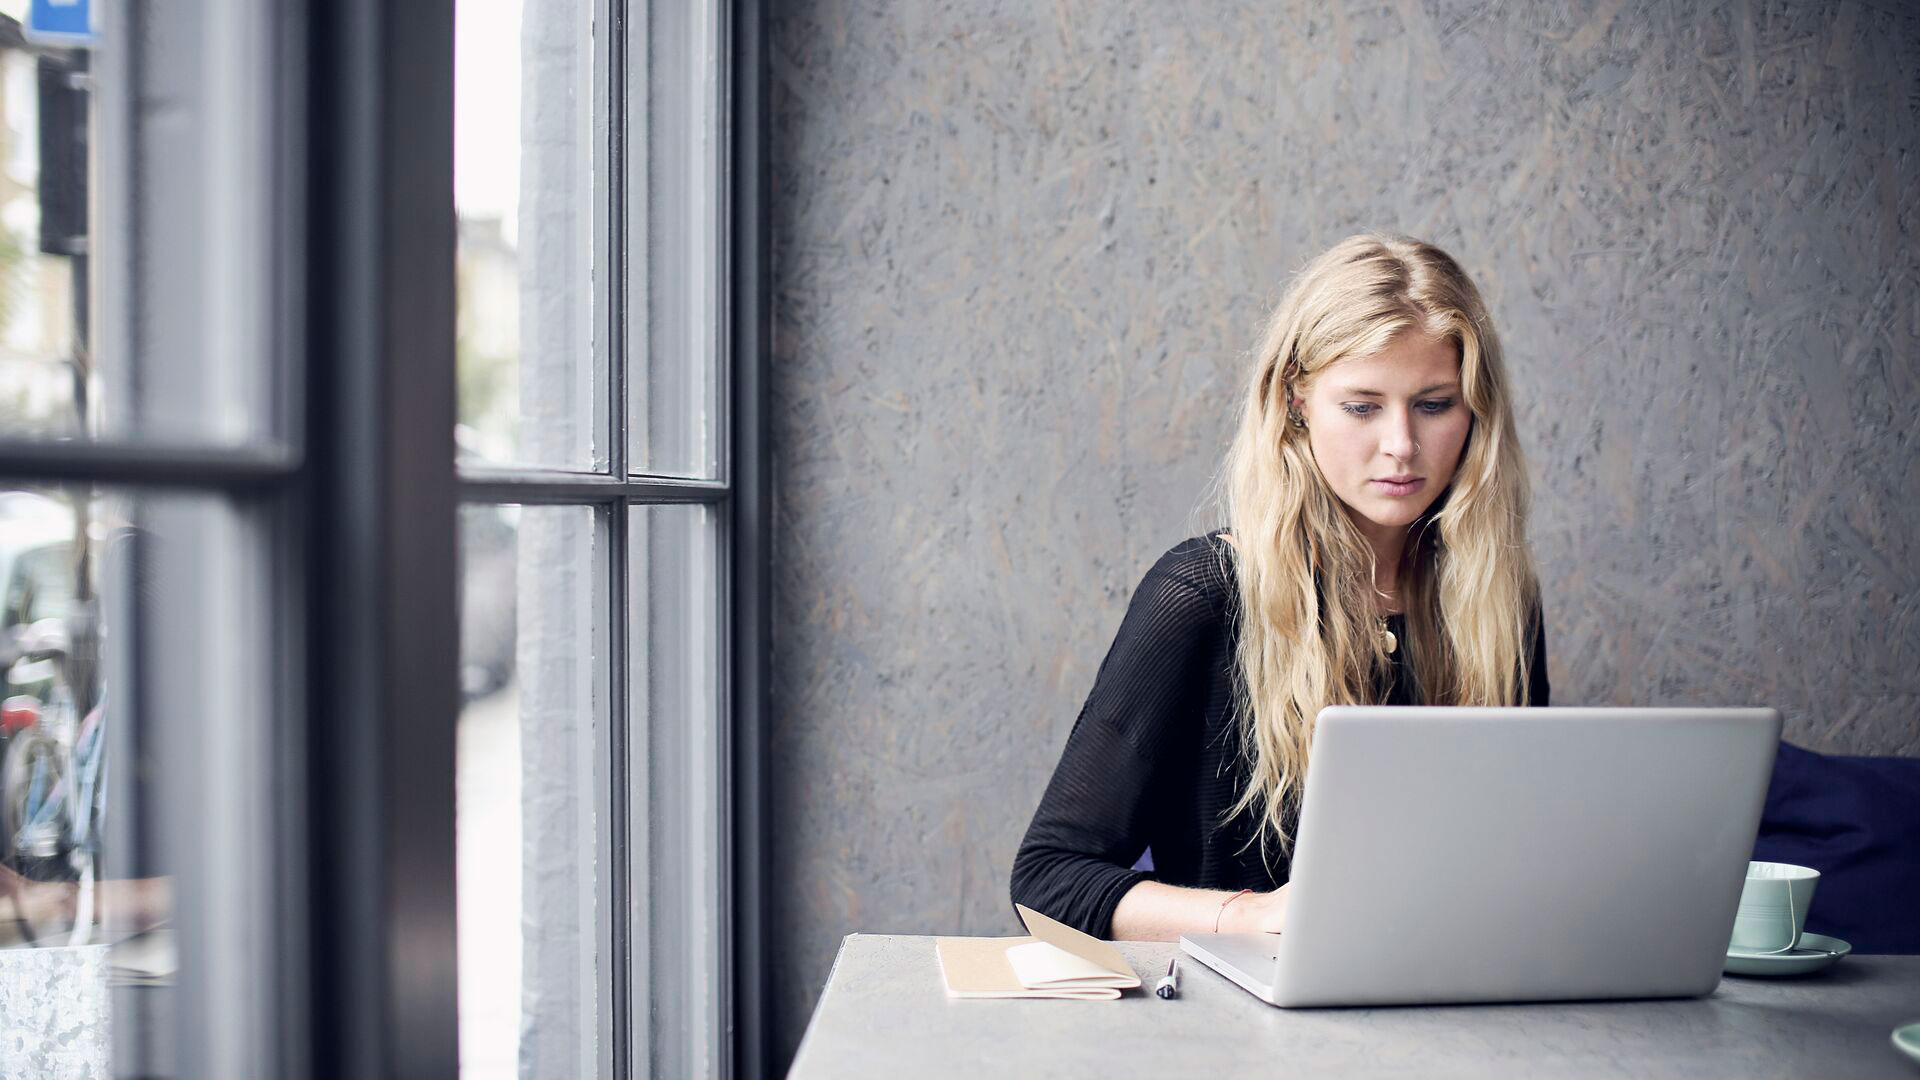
1857, 821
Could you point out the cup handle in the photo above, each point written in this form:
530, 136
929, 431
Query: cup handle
1793, 939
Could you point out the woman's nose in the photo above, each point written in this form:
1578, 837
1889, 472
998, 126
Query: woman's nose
1397, 440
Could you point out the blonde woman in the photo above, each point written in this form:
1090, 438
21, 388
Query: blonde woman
1375, 552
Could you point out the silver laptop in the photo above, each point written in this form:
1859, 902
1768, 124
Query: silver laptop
1512, 854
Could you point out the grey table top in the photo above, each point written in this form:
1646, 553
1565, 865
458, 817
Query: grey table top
885, 1013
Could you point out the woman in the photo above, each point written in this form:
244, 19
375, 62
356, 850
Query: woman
1375, 552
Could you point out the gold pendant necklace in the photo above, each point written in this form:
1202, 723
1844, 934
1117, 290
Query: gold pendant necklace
1387, 640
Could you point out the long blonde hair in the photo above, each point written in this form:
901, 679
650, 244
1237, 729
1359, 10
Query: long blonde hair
1306, 609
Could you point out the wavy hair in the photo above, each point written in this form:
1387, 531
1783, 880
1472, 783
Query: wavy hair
1306, 608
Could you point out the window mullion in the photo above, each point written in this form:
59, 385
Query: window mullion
610, 240
503, 489
748, 529
619, 932
720, 91
383, 699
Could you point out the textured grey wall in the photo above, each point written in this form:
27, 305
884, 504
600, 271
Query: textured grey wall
1021, 249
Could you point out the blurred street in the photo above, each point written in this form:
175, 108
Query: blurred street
487, 796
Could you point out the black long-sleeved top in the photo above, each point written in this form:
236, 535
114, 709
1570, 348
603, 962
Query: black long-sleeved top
1154, 761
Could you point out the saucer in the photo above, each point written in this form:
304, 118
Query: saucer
1906, 1039
1811, 955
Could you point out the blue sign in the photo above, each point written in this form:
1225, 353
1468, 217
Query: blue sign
61, 22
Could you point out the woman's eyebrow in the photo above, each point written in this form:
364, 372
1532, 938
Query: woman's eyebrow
1356, 391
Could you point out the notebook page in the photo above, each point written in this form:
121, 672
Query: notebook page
1042, 966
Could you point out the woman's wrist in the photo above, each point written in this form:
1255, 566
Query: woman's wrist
1254, 913
1239, 916
1226, 903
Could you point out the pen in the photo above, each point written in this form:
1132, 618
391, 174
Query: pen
1169, 984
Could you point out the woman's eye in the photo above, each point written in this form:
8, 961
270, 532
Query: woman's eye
1430, 407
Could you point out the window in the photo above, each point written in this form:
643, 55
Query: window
380, 670
146, 489
598, 537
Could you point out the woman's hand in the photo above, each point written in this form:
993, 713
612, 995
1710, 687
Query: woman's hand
1256, 913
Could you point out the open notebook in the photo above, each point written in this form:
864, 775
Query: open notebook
1057, 961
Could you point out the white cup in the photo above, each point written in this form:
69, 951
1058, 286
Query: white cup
1773, 907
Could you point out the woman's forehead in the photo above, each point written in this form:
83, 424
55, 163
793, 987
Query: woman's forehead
1409, 364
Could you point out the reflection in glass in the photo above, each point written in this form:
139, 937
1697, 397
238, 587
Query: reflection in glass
529, 786
134, 225
523, 78
44, 363
84, 906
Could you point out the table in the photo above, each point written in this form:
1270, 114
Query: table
885, 1013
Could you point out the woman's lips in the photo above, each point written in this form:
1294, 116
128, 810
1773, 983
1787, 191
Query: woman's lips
1399, 487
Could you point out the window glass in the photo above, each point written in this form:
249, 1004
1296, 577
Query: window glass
675, 266
142, 839
67, 896
43, 585
127, 629
50, 686
44, 237
673, 754
531, 785
111, 168
530, 390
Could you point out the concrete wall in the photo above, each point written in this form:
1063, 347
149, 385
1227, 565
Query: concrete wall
1021, 249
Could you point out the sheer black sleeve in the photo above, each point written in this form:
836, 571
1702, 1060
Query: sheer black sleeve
1075, 862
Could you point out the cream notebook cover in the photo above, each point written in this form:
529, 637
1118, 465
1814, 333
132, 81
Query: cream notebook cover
1057, 961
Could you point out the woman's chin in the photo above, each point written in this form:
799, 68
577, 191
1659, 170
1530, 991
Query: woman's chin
1393, 513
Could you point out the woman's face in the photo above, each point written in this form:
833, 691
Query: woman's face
1387, 430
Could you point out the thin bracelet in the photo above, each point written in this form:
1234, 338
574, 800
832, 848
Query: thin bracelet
1223, 907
